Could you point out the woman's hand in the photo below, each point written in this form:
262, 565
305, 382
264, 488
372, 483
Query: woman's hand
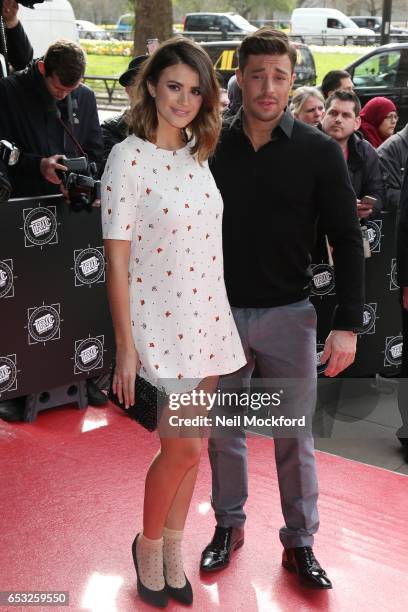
123, 384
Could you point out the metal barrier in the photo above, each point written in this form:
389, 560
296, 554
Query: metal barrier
106, 91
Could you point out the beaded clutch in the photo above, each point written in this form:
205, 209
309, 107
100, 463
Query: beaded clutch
149, 402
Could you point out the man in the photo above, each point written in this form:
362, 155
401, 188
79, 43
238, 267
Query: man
115, 129
334, 80
19, 49
40, 107
276, 176
341, 122
393, 154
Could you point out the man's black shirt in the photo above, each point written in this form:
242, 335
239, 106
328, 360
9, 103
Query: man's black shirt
273, 199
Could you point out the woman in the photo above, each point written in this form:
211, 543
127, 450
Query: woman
162, 216
378, 120
307, 105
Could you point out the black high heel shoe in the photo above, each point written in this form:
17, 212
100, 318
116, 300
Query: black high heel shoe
154, 598
183, 594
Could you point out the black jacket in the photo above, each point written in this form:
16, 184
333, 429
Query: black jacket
114, 130
29, 118
393, 154
20, 51
365, 173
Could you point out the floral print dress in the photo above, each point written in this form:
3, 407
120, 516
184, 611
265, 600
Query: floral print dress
169, 207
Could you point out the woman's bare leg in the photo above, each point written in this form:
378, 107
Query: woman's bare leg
171, 478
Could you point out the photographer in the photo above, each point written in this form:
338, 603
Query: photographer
19, 49
49, 114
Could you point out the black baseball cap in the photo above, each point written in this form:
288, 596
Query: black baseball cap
133, 68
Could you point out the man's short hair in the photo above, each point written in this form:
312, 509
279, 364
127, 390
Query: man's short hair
266, 41
332, 81
67, 60
345, 96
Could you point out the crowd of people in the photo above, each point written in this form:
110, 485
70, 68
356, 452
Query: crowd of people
208, 241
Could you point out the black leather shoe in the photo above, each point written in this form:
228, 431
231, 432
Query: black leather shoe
95, 395
302, 561
183, 594
154, 598
11, 410
217, 554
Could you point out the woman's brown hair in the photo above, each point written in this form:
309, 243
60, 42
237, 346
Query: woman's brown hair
205, 128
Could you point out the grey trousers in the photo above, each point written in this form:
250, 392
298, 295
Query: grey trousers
282, 340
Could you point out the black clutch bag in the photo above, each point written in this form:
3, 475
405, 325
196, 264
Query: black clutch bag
149, 402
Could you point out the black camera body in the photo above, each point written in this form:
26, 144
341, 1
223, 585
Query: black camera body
9, 156
80, 181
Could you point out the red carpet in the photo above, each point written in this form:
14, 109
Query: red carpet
72, 486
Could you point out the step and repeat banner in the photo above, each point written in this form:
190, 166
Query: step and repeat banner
54, 315
379, 346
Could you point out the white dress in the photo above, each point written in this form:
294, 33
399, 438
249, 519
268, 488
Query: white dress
170, 208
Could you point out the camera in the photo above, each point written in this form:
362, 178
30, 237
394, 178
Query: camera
9, 156
80, 181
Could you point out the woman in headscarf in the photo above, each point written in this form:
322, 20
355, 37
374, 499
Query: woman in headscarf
378, 120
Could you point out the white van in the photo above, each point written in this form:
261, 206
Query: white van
47, 22
315, 23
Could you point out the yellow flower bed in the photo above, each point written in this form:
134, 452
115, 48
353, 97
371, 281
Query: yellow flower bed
107, 47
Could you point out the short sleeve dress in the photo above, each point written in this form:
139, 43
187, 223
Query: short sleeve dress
170, 208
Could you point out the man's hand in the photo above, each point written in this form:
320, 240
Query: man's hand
405, 298
10, 9
48, 167
364, 209
339, 350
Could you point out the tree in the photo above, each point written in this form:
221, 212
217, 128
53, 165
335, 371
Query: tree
247, 7
242, 7
374, 7
100, 11
152, 22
